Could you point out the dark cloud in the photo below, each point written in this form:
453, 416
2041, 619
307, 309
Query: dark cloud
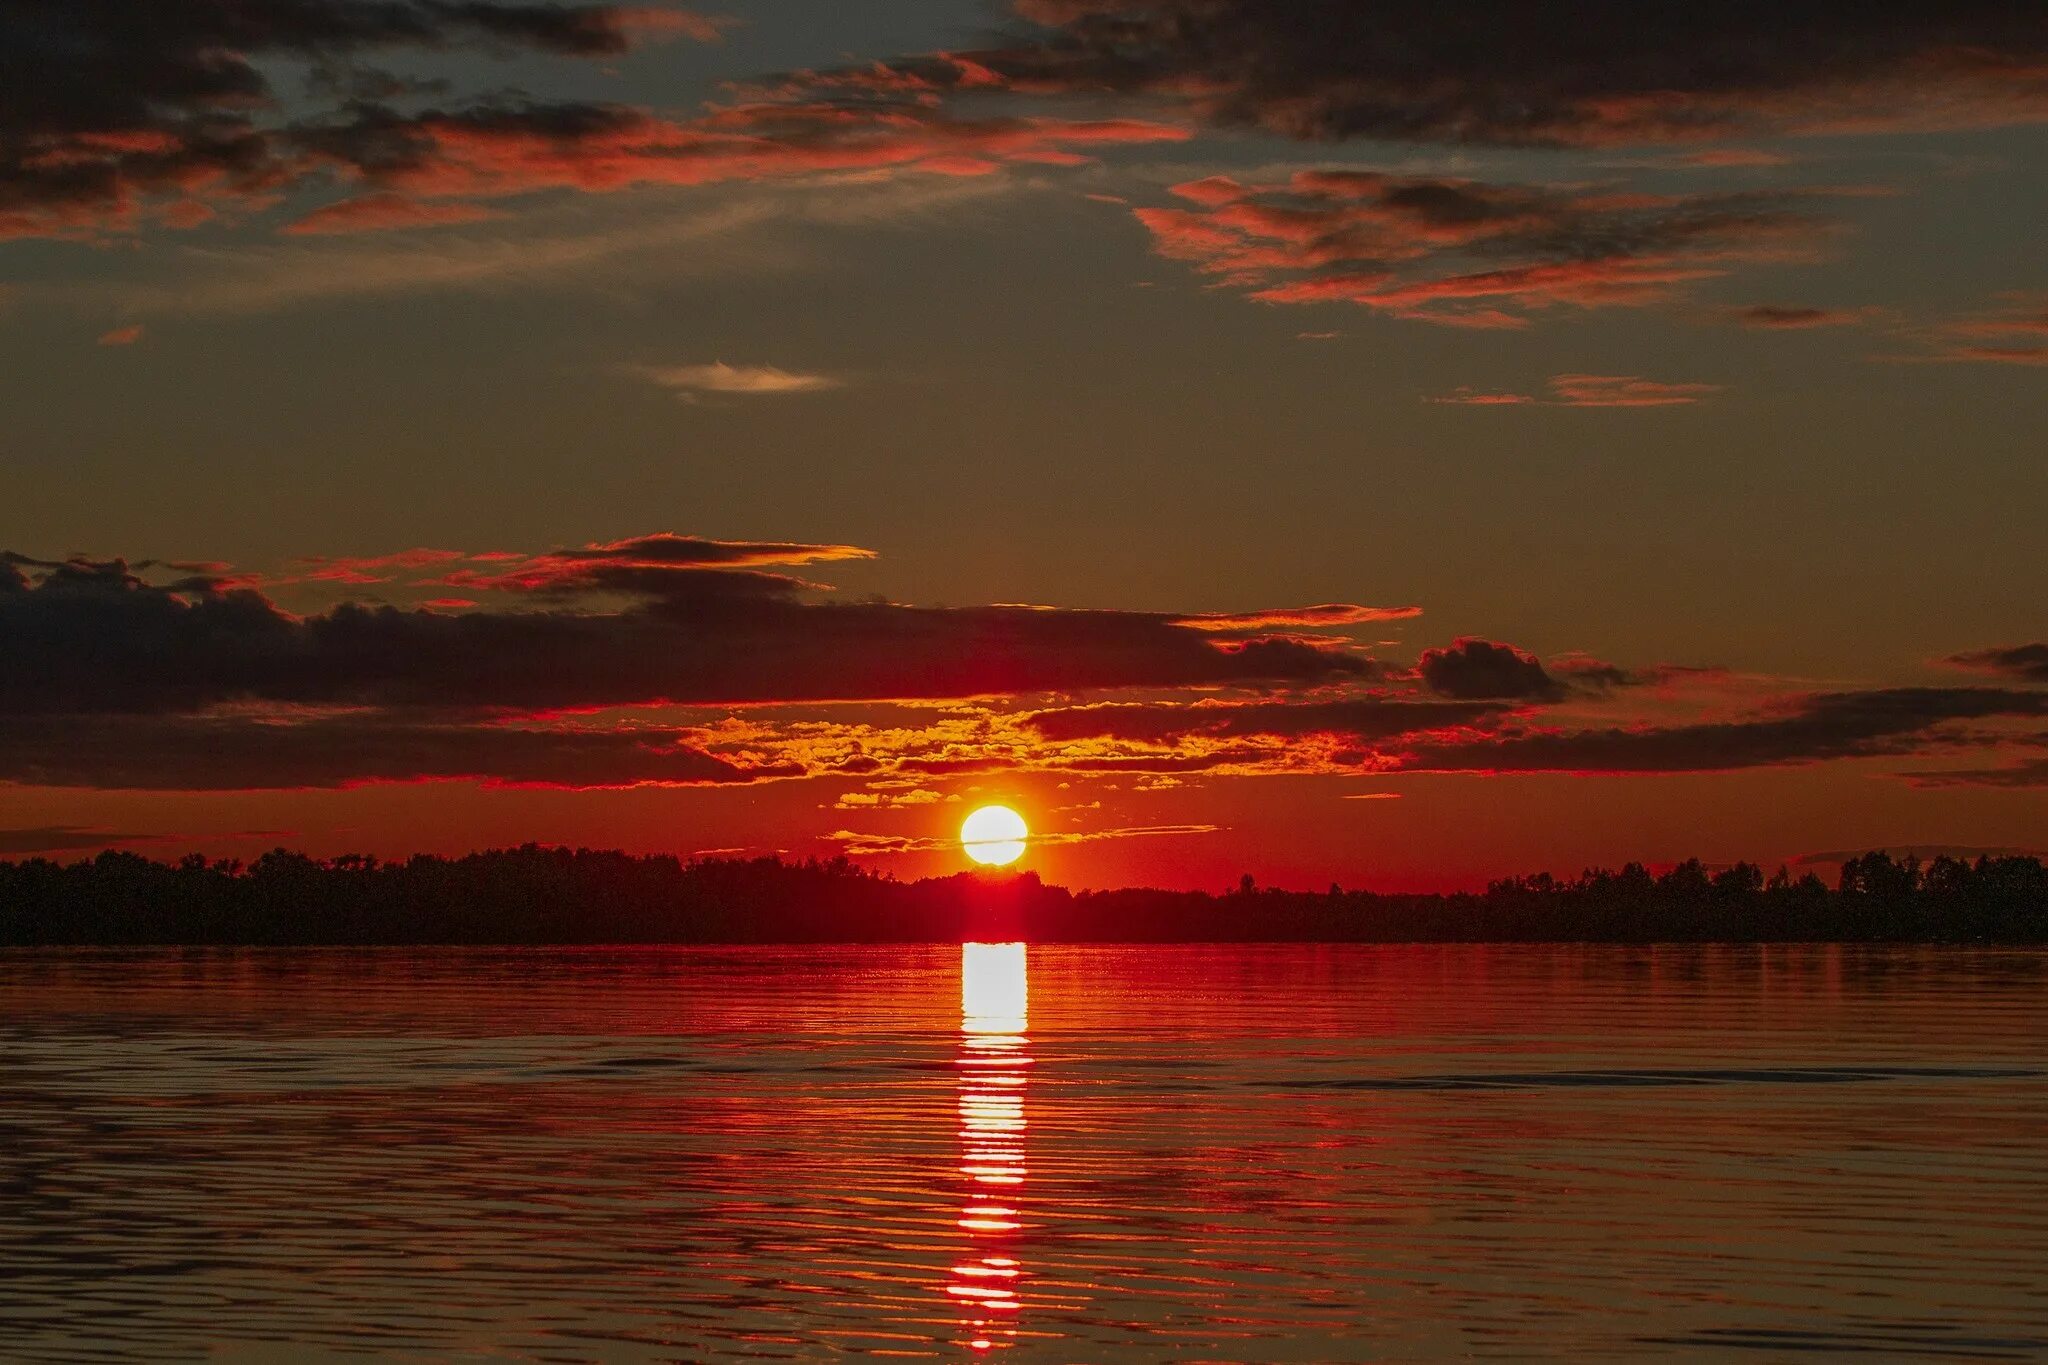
1788, 318
89, 636
1465, 253
1826, 725
1522, 73
518, 148
241, 753
1475, 669
115, 109
1594, 675
2026, 662
1589, 391
2013, 332
189, 677
1362, 720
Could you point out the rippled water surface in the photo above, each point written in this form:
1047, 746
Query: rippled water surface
1062, 1153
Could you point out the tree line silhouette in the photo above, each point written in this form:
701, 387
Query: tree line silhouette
537, 894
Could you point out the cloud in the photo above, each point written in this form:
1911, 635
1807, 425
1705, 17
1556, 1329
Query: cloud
688, 381
1589, 391
1624, 391
1474, 669
1401, 732
663, 235
516, 149
1322, 616
1361, 720
1466, 253
662, 21
2029, 663
654, 619
1724, 158
365, 569
131, 117
383, 212
1466, 396
875, 800
1513, 73
546, 669
1789, 318
1806, 729
2014, 333
121, 115
247, 753
122, 336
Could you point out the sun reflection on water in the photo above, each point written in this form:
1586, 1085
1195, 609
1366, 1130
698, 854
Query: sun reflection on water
993, 1065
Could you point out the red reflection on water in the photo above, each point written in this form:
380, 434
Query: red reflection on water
993, 1067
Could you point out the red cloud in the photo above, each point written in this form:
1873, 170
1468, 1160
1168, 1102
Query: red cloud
1590, 391
1607, 73
654, 619
2013, 334
492, 153
1407, 246
169, 119
381, 212
1625, 391
110, 678
1325, 615
1784, 318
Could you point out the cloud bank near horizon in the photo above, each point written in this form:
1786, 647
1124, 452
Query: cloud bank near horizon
673, 660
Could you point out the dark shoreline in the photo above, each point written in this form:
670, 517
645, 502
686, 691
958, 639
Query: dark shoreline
535, 895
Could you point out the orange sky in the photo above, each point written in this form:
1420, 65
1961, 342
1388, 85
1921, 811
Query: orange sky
749, 430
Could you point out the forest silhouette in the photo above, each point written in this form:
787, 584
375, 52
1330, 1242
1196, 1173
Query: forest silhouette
537, 894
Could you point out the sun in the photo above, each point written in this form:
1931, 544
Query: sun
994, 836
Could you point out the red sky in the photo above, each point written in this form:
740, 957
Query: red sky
733, 429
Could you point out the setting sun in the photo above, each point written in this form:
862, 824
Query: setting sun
993, 836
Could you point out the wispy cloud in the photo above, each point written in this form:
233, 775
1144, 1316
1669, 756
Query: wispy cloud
1780, 317
611, 242
1612, 74
385, 212
2013, 333
1468, 253
1588, 391
690, 382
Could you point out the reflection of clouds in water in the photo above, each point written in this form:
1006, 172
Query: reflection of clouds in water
992, 1064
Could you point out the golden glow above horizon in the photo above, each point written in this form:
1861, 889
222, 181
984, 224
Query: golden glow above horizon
994, 836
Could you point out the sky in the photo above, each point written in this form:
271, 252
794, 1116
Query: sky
1390, 444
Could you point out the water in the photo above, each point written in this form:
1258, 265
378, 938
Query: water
1262, 1154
